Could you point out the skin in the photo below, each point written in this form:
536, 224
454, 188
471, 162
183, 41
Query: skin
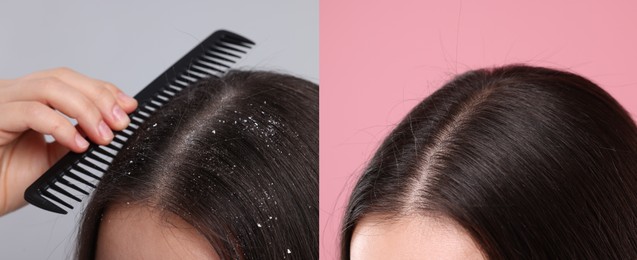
412, 237
140, 232
34, 105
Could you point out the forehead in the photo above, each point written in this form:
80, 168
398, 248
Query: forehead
411, 237
140, 232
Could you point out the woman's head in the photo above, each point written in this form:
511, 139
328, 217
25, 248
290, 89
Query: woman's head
230, 164
516, 161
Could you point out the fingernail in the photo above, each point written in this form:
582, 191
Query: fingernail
80, 141
123, 97
119, 114
104, 131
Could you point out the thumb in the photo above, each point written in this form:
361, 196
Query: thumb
55, 152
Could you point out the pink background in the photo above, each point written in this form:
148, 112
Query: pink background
379, 58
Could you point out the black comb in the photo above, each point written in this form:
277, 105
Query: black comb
76, 173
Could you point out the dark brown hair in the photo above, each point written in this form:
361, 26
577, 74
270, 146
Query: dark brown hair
533, 163
235, 157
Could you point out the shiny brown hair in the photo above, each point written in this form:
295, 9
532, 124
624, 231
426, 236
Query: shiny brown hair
534, 163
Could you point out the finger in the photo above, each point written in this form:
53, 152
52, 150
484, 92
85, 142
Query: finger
112, 102
21, 116
111, 110
69, 101
127, 103
95, 89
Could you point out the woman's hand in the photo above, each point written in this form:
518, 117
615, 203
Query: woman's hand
28, 111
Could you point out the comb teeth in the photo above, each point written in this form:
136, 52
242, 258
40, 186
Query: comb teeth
75, 175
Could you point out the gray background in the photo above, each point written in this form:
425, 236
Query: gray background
130, 43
